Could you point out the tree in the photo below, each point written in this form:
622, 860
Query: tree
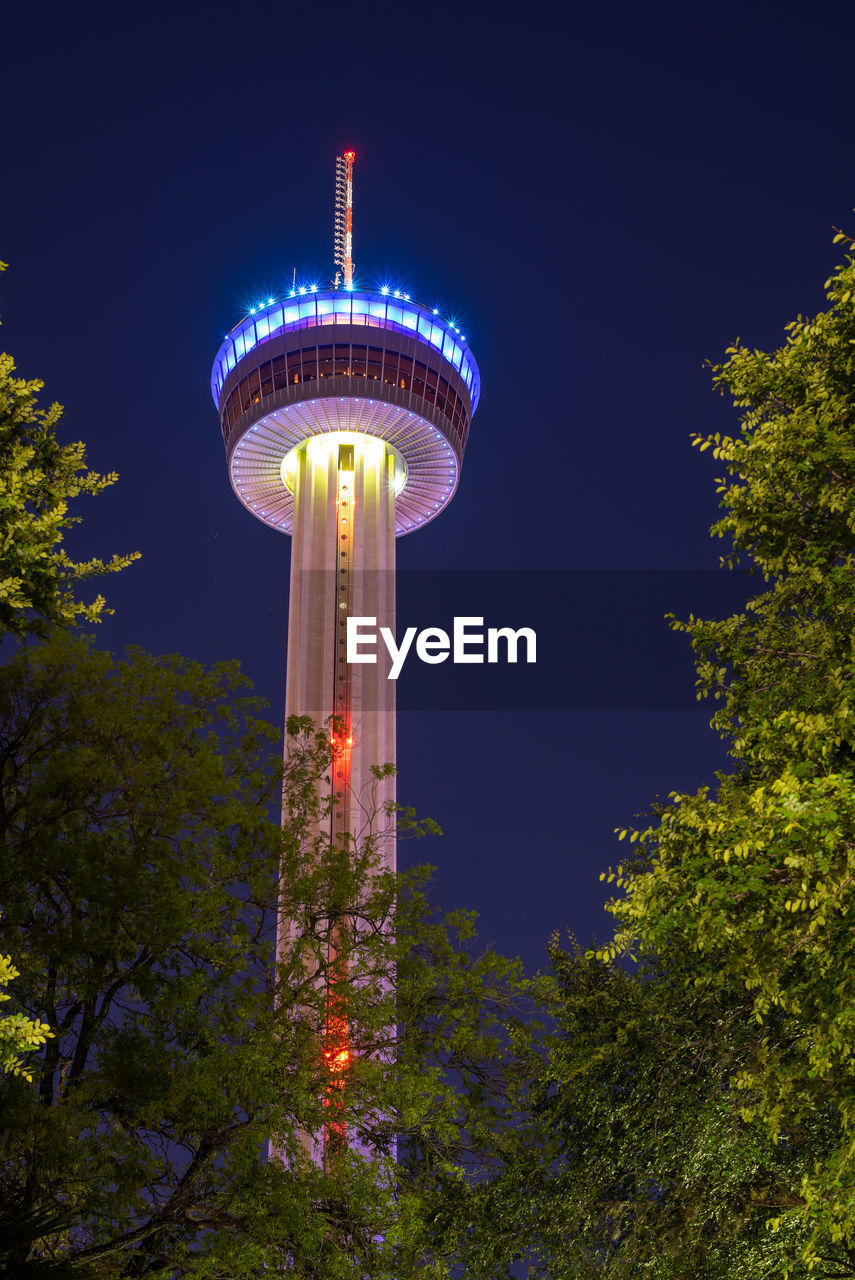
18, 1034
754, 880
469, 1026
631, 1157
695, 1112
38, 478
142, 860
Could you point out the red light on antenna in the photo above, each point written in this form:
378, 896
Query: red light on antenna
350, 155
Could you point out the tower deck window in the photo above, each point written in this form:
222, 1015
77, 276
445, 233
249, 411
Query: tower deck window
310, 364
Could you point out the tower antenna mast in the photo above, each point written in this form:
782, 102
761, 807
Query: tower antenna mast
343, 237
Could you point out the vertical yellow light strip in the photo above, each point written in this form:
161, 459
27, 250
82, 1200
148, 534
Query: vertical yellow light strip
345, 529
336, 1050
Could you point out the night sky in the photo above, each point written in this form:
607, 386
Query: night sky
603, 197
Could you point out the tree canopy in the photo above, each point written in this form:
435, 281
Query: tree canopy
38, 478
694, 1114
632, 1158
754, 879
18, 1035
142, 861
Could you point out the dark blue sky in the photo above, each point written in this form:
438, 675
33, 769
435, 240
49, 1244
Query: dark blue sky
606, 198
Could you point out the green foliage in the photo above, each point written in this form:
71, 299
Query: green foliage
17, 1034
142, 861
466, 1019
754, 881
38, 478
633, 1161
19, 1231
694, 1114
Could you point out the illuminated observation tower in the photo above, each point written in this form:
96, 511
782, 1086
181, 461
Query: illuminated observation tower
345, 413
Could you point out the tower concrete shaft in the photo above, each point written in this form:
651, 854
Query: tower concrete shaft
343, 565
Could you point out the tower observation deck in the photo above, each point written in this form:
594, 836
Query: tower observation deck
345, 414
335, 360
